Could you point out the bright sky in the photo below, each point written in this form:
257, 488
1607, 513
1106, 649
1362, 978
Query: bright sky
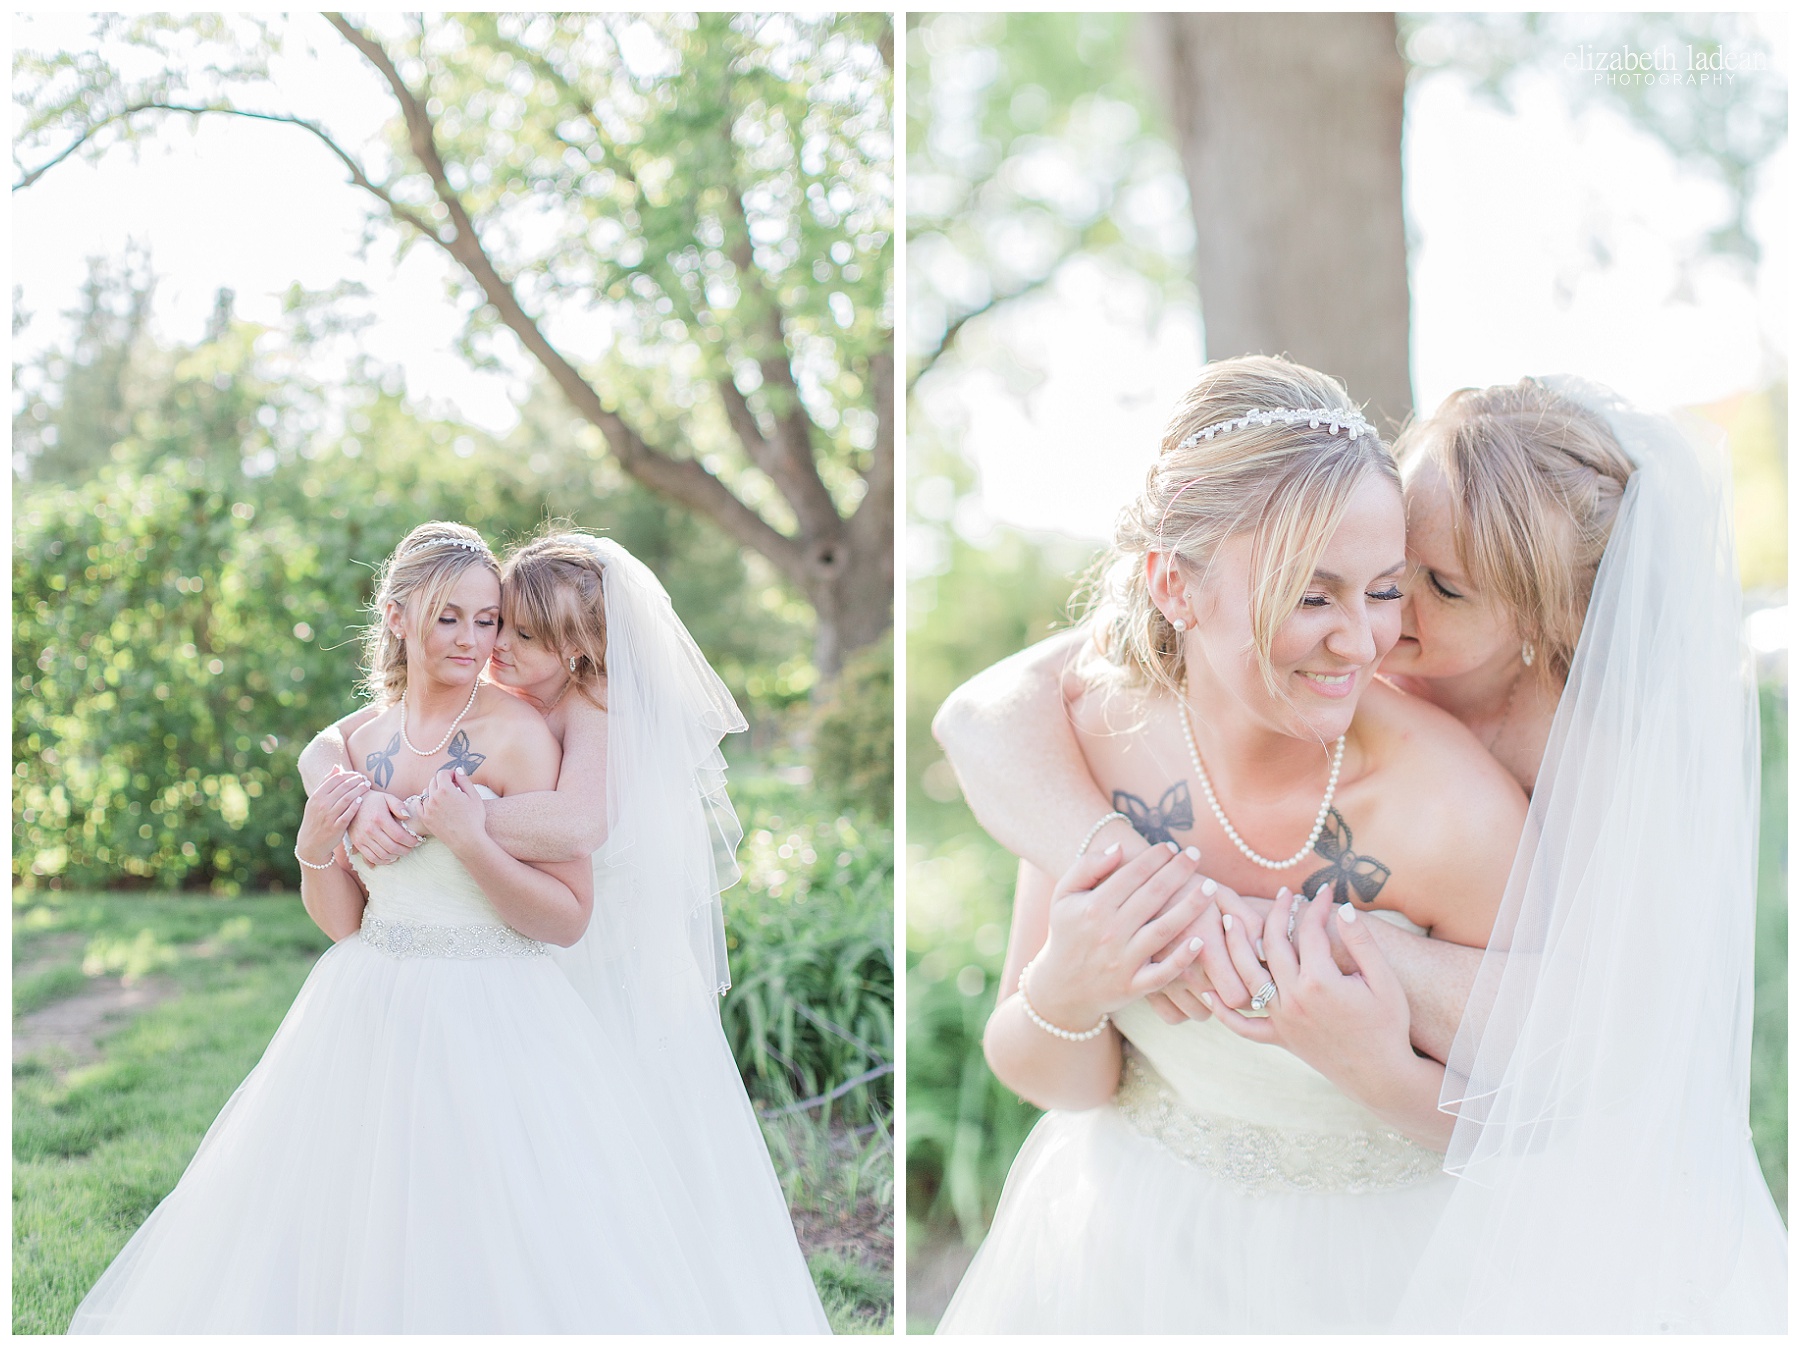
251, 207
1502, 208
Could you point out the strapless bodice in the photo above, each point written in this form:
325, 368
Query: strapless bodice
1255, 1110
427, 904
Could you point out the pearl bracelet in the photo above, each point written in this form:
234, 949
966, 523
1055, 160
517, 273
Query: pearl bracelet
1094, 832
1049, 1028
328, 865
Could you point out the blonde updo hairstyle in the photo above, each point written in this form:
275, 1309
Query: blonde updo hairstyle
418, 577
1287, 485
1535, 483
552, 588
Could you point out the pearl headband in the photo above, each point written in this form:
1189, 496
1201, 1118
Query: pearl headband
463, 543
1332, 418
1349, 420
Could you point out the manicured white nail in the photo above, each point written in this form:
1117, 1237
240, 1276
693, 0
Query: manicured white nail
1195, 944
1172, 847
1193, 853
1283, 893
1228, 921
1206, 999
1259, 950
1209, 888
1109, 851
1346, 913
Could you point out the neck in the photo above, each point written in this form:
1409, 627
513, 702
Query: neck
1246, 756
1480, 696
546, 693
429, 700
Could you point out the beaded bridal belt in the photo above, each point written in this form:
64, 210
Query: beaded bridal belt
1259, 1159
416, 940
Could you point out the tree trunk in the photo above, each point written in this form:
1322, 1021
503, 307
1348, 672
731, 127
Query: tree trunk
1289, 128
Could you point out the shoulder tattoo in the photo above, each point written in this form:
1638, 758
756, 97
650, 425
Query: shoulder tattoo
380, 763
1347, 873
463, 755
1159, 821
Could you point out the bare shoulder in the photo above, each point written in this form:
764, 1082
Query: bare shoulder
1463, 812
1102, 704
1426, 745
521, 752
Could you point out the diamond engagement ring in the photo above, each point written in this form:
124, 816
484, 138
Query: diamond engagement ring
1261, 1000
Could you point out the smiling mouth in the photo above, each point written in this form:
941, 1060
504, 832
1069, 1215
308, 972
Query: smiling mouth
1329, 680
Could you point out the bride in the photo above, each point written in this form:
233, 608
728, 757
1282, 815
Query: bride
1227, 695
1575, 1074
444, 1136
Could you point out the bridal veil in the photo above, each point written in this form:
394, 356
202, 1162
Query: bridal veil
1601, 1074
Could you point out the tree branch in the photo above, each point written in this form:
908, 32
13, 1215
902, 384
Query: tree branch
950, 333
357, 176
683, 479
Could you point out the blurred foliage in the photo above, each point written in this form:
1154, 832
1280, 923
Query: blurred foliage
185, 617
853, 734
1725, 130
810, 931
1031, 139
963, 1126
1755, 425
714, 190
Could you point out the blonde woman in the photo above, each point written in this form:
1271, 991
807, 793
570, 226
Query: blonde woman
589, 642
1572, 600
435, 1140
1188, 1179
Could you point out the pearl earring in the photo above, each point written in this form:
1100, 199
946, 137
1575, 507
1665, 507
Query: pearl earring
1179, 623
572, 663
1528, 653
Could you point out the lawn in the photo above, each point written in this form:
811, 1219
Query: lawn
109, 990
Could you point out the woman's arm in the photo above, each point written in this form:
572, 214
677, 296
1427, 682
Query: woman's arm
546, 901
569, 822
330, 748
333, 895
1352, 1028
1092, 943
1007, 734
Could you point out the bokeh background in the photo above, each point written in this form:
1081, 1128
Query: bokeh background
1434, 202
640, 278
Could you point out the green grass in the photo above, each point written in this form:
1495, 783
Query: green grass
97, 1146
1768, 1042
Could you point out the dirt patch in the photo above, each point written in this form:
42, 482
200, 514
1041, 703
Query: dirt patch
933, 1272
49, 951
67, 1032
865, 1234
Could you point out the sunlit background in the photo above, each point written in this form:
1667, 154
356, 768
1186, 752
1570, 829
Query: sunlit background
1638, 238
239, 379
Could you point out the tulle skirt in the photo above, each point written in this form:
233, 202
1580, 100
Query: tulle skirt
1102, 1229
439, 1145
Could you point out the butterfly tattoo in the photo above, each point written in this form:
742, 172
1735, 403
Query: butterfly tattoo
381, 763
1157, 822
1362, 876
463, 756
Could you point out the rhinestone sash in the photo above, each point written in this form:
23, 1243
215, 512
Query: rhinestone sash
415, 940
1258, 1159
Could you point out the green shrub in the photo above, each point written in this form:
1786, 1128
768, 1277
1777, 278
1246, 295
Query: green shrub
810, 932
853, 734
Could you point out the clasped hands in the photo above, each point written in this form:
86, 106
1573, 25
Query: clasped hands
1154, 926
386, 827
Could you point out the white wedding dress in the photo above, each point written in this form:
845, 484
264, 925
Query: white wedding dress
442, 1137
1227, 1187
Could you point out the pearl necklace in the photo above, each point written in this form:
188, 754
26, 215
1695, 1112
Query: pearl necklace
433, 752
1337, 762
